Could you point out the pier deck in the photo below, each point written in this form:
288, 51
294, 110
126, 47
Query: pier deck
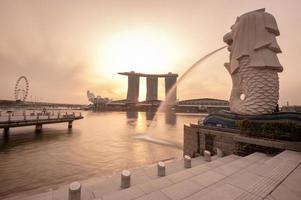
36, 119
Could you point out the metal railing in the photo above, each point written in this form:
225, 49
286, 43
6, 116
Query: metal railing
11, 116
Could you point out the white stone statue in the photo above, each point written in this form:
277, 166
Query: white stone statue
254, 65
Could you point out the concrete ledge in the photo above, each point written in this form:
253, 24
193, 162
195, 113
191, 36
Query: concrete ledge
294, 146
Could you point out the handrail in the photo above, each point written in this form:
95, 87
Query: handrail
9, 117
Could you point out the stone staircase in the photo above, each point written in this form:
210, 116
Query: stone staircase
256, 176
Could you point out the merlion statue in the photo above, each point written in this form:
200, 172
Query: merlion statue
254, 65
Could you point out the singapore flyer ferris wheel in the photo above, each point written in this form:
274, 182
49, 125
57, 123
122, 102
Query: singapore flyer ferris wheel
21, 88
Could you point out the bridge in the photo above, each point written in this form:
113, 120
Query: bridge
37, 119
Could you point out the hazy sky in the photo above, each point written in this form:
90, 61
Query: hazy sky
67, 47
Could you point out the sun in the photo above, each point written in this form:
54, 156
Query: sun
140, 51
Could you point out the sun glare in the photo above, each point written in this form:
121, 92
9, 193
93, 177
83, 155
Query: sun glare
140, 51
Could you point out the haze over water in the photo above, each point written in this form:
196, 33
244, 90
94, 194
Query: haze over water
102, 143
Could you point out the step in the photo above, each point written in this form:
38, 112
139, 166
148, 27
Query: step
188, 181
251, 177
289, 188
257, 176
99, 186
274, 172
253, 181
175, 172
179, 179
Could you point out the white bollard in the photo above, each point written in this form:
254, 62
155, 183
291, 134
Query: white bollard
161, 169
219, 152
207, 156
187, 161
125, 179
74, 191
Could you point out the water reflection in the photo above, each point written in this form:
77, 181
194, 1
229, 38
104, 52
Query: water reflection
170, 117
150, 115
99, 144
132, 114
28, 136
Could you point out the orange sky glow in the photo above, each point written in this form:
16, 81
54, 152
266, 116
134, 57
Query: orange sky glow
67, 47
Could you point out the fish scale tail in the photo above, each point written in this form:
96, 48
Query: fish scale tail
261, 88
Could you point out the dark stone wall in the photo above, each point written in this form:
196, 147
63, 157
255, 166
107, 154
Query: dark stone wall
199, 138
191, 141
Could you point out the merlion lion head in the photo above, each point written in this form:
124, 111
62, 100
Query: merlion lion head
253, 58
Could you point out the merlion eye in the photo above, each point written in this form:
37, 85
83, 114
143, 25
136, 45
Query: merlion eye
242, 96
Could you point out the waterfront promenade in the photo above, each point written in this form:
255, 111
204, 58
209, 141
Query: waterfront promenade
257, 176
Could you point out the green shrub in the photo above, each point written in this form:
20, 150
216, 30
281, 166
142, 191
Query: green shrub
277, 130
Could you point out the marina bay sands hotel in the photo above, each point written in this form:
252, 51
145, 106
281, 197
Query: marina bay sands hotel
151, 86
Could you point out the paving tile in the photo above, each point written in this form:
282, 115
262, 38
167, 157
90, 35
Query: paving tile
228, 159
293, 181
242, 179
248, 196
107, 186
61, 193
283, 193
263, 187
180, 176
198, 169
269, 197
276, 172
181, 190
127, 194
207, 178
255, 157
151, 171
241, 163
197, 161
139, 177
291, 156
226, 170
259, 168
154, 185
224, 192
214, 164
276, 161
43, 196
173, 167
158, 195
253, 177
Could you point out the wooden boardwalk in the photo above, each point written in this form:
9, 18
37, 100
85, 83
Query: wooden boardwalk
10, 120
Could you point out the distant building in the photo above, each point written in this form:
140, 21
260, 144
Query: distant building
291, 109
202, 105
151, 87
204, 102
97, 100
